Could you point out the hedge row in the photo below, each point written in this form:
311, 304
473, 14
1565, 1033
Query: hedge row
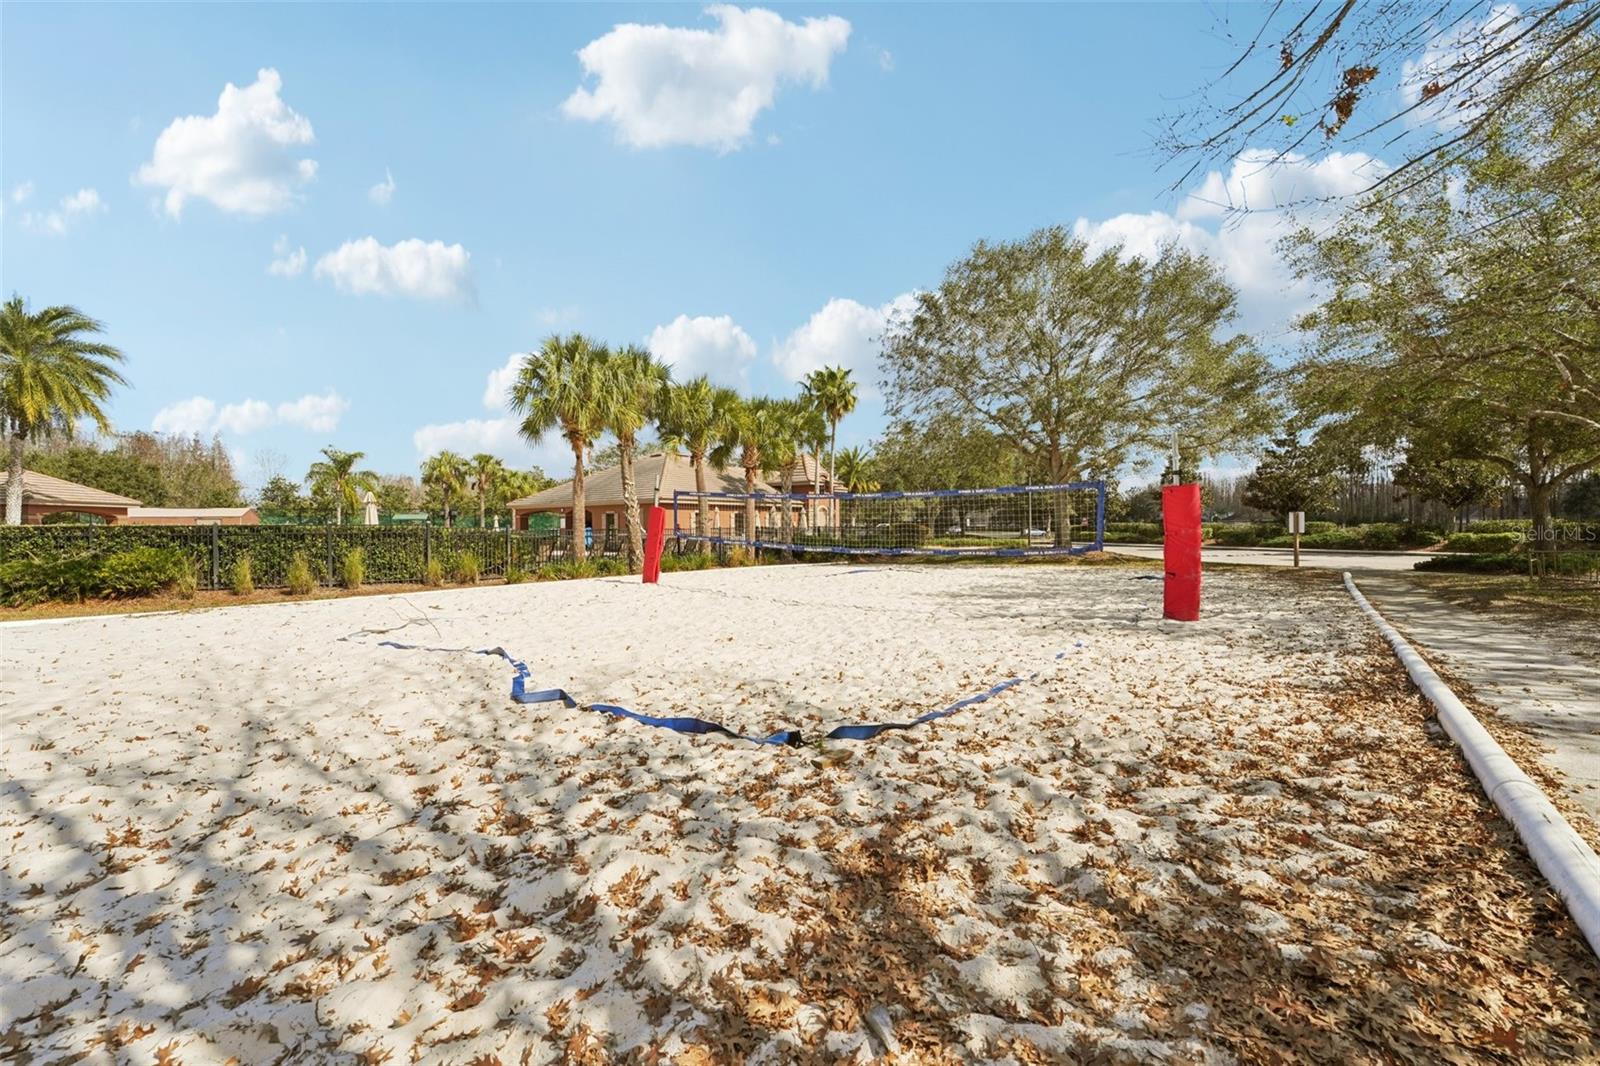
1566, 530
393, 553
1374, 536
1572, 563
1484, 542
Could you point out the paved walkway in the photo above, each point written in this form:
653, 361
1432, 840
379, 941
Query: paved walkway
1552, 692
1309, 558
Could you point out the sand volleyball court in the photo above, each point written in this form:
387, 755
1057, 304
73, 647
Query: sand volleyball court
258, 835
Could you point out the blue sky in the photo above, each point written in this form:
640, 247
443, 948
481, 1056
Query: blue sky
392, 201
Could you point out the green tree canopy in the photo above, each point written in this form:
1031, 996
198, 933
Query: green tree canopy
1079, 360
1293, 476
1468, 309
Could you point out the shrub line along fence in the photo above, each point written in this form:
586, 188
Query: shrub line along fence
394, 554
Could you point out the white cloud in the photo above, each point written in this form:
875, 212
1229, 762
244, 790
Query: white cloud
286, 263
1245, 244
497, 390
194, 416
242, 158
704, 345
382, 192
246, 416
885, 60
419, 270
663, 85
319, 414
1259, 180
80, 205
201, 416
496, 436
21, 191
843, 333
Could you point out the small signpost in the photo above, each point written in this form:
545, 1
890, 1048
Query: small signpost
1297, 526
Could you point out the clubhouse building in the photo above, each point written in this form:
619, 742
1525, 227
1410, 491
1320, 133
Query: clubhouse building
657, 477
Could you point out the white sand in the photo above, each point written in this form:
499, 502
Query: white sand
235, 834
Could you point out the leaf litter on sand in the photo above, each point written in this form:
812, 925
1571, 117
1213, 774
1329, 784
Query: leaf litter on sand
1234, 841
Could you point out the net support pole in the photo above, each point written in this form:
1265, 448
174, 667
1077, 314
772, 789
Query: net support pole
655, 542
1180, 518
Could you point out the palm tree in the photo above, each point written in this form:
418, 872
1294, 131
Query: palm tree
695, 416
563, 386
485, 472
855, 474
855, 471
816, 440
633, 400
834, 394
446, 472
750, 429
51, 375
336, 475
783, 447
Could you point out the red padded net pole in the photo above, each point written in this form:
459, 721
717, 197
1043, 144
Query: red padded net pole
1180, 516
655, 540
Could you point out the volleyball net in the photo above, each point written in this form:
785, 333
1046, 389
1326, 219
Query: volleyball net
1019, 520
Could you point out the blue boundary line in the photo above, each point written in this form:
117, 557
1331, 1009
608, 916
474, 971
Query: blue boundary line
520, 693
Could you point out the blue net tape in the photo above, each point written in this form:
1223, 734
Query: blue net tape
690, 725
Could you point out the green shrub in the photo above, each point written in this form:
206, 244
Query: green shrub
299, 578
187, 584
353, 569
142, 571
1490, 543
1238, 535
567, 571
515, 575
26, 581
1500, 525
740, 556
1501, 563
465, 568
240, 577
433, 573
687, 561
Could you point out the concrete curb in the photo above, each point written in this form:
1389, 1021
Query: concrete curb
1567, 862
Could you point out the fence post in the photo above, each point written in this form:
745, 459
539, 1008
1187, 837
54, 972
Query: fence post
216, 555
327, 536
509, 542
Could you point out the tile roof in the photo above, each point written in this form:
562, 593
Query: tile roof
603, 488
44, 489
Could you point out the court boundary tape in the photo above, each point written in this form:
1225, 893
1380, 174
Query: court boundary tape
520, 693
1567, 862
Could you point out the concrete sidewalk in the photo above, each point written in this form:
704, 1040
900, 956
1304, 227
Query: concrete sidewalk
1551, 692
1321, 558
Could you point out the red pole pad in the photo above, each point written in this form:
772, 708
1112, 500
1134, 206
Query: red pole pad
1180, 516
655, 534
